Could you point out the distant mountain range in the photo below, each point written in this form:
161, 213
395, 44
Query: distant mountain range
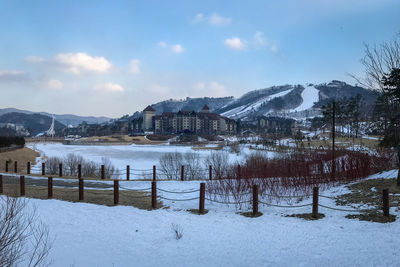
66, 119
296, 101
28, 124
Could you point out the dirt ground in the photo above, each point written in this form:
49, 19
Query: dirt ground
138, 199
22, 156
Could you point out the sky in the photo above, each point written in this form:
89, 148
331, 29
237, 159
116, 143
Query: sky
111, 58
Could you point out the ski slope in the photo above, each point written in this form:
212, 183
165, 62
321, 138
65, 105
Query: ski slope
310, 95
243, 110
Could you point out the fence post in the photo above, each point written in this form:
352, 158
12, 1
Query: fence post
50, 187
43, 169
60, 170
81, 189
1, 184
79, 171
202, 197
210, 172
102, 171
255, 200
116, 192
385, 200
153, 195
22, 185
182, 173
15, 166
128, 172
6, 166
238, 172
154, 172
28, 168
315, 202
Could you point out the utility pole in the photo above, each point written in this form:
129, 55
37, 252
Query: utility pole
333, 138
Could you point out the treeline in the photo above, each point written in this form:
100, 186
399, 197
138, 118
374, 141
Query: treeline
348, 116
7, 141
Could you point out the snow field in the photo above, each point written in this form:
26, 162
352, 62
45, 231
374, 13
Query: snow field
94, 235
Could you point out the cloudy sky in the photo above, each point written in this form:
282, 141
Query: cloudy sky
115, 57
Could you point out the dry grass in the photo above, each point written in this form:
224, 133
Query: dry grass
138, 199
369, 192
307, 216
197, 211
22, 156
250, 214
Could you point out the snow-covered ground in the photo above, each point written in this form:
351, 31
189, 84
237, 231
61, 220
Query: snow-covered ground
93, 235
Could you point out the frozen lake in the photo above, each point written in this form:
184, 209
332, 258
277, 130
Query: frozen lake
137, 156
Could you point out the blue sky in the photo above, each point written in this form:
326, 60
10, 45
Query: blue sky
115, 57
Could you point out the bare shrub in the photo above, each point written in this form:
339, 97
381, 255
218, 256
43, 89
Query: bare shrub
52, 165
109, 169
295, 175
219, 161
178, 231
170, 164
88, 168
71, 163
193, 166
234, 147
23, 239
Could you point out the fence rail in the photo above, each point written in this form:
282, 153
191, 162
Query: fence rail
254, 199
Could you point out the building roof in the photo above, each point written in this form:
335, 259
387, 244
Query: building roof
205, 108
149, 108
209, 116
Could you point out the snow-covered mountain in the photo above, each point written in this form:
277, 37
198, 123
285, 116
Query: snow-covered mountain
296, 101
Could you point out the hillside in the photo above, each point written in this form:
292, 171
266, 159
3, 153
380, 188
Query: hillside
294, 101
66, 119
195, 104
33, 123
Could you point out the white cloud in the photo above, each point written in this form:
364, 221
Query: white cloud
55, 84
134, 66
213, 19
109, 87
162, 44
199, 18
13, 76
217, 20
177, 48
260, 40
81, 62
235, 43
34, 59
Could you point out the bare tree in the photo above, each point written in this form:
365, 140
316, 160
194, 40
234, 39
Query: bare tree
380, 62
24, 240
219, 161
171, 164
193, 165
